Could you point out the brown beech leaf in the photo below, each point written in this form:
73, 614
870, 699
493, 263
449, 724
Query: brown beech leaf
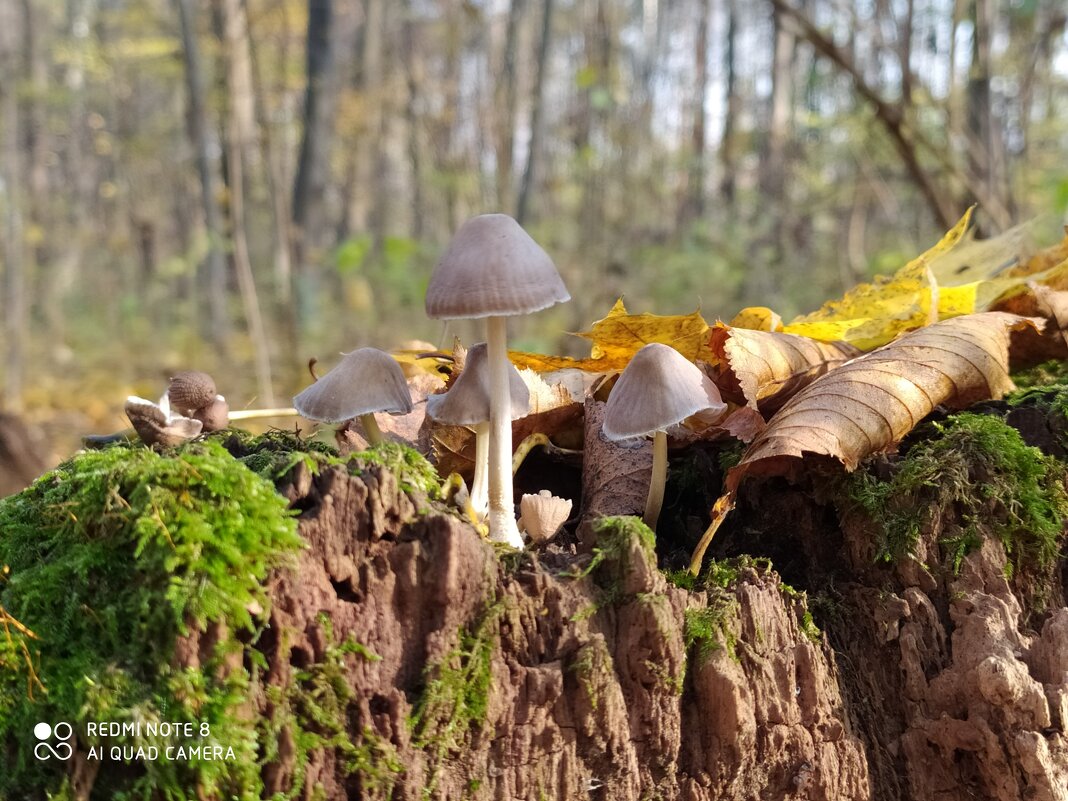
764, 369
868, 405
1031, 347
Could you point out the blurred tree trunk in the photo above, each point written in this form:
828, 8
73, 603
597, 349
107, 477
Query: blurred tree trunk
14, 299
239, 136
694, 204
200, 132
278, 196
413, 73
729, 145
505, 100
310, 184
536, 111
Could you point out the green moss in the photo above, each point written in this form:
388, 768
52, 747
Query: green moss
981, 467
317, 708
455, 697
593, 666
1042, 375
708, 629
273, 454
112, 556
412, 469
617, 538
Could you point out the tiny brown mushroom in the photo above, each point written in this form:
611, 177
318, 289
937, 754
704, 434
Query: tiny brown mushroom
215, 416
156, 427
190, 390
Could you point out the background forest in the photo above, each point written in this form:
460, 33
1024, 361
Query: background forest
239, 185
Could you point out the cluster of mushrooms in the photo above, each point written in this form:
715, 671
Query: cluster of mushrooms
492, 269
190, 406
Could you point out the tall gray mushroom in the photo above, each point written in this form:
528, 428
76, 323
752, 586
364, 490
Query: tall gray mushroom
467, 403
493, 269
364, 382
658, 389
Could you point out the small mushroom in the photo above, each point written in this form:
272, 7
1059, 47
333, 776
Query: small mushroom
156, 425
364, 382
493, 269
467, 403
215, 416
542, 515
191, 390
658, 389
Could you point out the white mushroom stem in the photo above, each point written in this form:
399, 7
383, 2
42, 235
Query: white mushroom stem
371, 429
502, 523
655, 499
479, 489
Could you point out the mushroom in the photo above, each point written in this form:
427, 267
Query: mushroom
191, 390
658, 389
192, 394
364, 382
542, 515
467, 403
155, 425
493, 269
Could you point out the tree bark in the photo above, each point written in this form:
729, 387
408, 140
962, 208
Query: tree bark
216, 288
14, 287
536, 111
239, 137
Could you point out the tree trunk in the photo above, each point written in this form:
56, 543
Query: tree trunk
694, 205
537, 100
239, 137
310, 184
14, 287
216, 289
505, 99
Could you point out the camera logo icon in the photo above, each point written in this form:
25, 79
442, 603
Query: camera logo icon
44, 750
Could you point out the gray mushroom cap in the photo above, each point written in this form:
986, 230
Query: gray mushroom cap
492, 268
658, 389
468, 400
364, 381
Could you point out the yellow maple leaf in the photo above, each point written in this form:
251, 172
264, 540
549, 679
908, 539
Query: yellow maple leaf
619, 335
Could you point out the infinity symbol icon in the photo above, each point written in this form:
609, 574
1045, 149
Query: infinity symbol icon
63, 751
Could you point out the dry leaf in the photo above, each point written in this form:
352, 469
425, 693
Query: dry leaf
1029, 347
757, 318
615, 475
619, 335
869, 404
763, 369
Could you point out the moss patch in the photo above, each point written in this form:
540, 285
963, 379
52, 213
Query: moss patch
114, 555
979, 466
413, 471
316, 709
455, 697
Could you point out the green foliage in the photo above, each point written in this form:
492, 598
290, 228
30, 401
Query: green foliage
455, 698
113, 555
981, 467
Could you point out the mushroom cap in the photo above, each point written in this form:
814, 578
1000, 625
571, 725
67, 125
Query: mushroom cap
215, 416
157, 427
541, 515
658, 389
366, 380
468, 400
492, 268
190, 390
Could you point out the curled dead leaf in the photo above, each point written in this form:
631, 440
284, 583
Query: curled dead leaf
868, 405
763, 369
